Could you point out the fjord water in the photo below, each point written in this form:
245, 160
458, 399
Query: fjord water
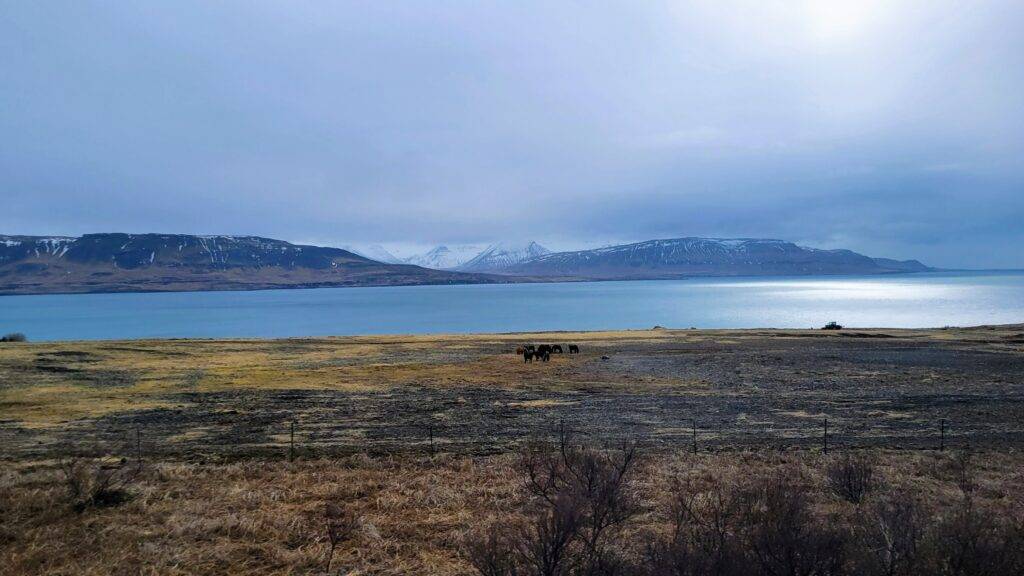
904, 300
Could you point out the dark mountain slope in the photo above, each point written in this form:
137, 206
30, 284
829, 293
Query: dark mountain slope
706, 257
175, 262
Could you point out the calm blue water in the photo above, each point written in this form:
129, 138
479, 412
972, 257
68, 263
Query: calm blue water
911, 300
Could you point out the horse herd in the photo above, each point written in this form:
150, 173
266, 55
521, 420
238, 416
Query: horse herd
543, 352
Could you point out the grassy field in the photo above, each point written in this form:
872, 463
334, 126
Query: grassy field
419, 437
889, 388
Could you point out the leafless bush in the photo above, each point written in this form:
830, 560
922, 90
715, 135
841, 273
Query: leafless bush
705, 538
963, 472
493, 551
762, 525
340, 525
851, 477
890, 535
579, 496
13, 337
975, 542
97, 482
785, 538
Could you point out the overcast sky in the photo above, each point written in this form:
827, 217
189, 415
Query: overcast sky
891, 128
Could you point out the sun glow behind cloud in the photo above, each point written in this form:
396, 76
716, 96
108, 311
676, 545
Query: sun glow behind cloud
841, 21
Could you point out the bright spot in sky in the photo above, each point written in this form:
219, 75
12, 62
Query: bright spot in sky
840, 20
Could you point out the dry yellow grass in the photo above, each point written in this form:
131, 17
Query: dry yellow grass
144, 372
47, 384
263, 517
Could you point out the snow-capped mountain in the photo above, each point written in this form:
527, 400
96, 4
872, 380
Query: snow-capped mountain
23, 247
445, 258
169, 262
504, 255
374, 252
682, 257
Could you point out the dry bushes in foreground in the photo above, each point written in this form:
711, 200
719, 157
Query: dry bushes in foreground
772, 522
550, 510
97, 482
579, 500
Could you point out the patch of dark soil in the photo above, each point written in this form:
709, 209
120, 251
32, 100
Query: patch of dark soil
161, 352
487, 420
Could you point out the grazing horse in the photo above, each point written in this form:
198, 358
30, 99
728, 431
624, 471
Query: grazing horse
543, 349
520, 350
574, 349
528, 356
546, 357
556, 349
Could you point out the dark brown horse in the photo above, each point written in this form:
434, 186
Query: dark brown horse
574, 349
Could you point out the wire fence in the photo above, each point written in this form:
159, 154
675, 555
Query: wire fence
295, 438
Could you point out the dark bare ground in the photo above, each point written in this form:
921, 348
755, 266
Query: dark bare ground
764, 389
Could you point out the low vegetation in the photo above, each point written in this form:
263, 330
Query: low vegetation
13, 337
97, 482
548, 509
445, 455
772, 520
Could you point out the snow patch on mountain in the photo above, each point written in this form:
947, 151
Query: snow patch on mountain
504, 255
374, 252
445, 257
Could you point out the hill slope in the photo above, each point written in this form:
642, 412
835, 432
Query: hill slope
178, 262
374, 252
682, 257
444, 257
501, 256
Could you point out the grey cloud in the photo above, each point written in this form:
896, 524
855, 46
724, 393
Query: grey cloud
894, 129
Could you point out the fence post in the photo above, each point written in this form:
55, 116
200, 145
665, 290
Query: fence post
825, 437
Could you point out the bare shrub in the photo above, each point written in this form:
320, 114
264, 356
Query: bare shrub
975, 542
97, 482
890, 535
785, 538
13, 337
595, 482
706, 529
340, 525
762, 525
579, 496
963, 472
851, 477
493, 551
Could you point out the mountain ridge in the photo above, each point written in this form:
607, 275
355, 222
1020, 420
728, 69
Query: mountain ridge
119, 262
503, 255
694, 256
375, 252
444, 257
